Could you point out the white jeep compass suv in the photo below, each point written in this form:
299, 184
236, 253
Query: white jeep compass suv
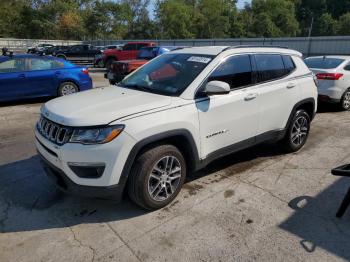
172, 116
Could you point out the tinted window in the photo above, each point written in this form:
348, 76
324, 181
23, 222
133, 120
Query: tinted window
168, 74
130, 47
43, 64
270, 67
76, 49
139, 46
147, 53
236, 71
347, 67
288, 64
12, 65
323, 62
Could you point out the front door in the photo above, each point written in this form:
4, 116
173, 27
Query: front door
12, 79
229, 122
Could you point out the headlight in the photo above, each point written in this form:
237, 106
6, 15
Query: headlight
96, 135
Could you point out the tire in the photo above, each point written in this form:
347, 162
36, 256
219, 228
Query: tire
61, 56
345, 101
109, 62
297, 132
150, 185
112, 82
67, 88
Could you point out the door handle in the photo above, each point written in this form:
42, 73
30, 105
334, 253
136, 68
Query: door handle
250, 96
21, 76
290, 85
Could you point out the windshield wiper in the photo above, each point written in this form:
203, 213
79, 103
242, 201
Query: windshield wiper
137, 87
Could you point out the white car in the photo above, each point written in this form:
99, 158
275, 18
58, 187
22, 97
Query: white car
172, 116
333, 74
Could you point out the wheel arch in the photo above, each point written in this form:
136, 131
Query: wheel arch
307, 104
180, 138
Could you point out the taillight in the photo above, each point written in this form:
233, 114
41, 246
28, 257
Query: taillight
85, 71
329, 76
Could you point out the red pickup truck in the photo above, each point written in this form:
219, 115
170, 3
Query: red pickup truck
128, 52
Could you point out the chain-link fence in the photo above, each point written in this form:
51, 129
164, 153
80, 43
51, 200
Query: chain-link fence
308, 46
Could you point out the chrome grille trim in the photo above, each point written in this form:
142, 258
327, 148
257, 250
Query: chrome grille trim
54, 132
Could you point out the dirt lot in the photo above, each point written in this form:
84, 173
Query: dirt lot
259, 204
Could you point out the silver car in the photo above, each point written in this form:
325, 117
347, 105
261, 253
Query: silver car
333, 74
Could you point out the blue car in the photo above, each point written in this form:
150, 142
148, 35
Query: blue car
28, 76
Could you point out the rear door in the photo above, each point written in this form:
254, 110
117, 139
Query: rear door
278, 89
42, 74
12, 79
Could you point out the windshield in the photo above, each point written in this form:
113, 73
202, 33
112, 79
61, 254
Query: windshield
169, 74
323, 62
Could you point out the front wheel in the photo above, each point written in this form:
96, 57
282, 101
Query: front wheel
67, 88
297, 132
157, 177
345, 101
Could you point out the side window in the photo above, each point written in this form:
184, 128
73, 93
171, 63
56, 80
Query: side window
76, 49
269, 67
139, 46
347, 67
12, 65
236, 71
130, 47
34, 64
288, 64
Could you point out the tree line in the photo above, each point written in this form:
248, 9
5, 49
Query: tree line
172, 19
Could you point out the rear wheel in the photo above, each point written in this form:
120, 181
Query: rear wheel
157, 177
67, 88
109, 62
297, 132
345, 101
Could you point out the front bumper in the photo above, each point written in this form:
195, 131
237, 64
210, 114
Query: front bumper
65, 184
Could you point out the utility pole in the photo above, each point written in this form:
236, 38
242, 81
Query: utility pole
311, 26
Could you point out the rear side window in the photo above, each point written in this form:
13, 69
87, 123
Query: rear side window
129, 47
236, 71
288, 64
323, 62
270, 67
34, 64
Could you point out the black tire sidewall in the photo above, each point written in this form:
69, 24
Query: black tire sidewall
59, 93
145, 168
342, 101
290, 144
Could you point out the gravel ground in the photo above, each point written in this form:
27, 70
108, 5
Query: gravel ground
259, 204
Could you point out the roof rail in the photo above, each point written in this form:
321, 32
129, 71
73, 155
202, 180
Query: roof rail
254, 46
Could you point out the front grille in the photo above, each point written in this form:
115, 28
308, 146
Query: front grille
54, 132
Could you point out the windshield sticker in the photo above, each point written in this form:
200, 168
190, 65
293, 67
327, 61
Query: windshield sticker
199, 59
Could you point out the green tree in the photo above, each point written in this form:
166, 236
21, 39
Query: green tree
174, 19
344, 24
274, 18
326, 25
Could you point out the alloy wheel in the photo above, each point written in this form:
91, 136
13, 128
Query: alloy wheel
346, 100
299, 131
68, 89
165, 178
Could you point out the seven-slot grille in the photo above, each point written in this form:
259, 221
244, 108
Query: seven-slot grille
56, 133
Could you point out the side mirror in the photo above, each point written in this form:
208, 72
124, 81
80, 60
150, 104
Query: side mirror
217, 88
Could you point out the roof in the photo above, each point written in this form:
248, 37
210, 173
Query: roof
332, 56
215, 50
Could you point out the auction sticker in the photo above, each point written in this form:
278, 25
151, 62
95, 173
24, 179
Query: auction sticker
199, 59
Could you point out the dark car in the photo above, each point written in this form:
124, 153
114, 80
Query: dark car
52, 50
79, 53
38, 48
119, 69
26, 76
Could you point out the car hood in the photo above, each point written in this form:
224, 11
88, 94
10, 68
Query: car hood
101, 106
